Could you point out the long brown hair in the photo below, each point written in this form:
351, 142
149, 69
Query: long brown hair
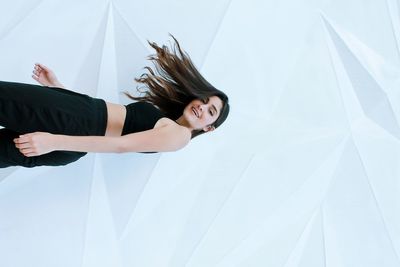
175, 83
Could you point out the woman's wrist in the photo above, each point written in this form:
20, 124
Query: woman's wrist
57, 141
57, 84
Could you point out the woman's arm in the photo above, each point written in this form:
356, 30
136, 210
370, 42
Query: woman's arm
169, 137
164, 138
161, 139
87, 143
39, 143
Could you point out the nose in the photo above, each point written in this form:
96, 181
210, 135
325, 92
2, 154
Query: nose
202, 107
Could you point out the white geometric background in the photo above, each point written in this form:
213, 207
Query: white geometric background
305, 172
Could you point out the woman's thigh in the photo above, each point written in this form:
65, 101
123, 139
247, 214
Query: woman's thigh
11, 156
28, 108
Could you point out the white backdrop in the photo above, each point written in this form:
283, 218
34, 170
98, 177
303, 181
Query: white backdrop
305, 172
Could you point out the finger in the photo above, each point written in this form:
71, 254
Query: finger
35, 77
43, 66
22, 139
23, 146
28, 135
29, 154
18, 141
37, 67
26, 152
27, 149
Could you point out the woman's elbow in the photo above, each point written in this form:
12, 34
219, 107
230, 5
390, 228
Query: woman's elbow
121, 147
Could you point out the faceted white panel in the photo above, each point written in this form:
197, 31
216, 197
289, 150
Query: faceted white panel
305, 171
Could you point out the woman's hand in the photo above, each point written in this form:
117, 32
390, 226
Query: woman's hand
45, 76
35, 144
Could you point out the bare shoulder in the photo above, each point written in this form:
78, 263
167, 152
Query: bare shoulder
164, 121
175, 128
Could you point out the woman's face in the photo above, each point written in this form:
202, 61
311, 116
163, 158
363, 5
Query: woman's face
200, 115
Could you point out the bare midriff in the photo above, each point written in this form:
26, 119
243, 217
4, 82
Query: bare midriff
115, 119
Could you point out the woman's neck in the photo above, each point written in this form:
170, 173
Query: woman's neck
182, 122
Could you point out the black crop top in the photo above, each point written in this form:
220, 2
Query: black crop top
140, 116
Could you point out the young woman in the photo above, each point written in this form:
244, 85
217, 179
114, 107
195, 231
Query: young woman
50, 125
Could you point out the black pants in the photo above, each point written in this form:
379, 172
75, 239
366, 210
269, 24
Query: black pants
26, 108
